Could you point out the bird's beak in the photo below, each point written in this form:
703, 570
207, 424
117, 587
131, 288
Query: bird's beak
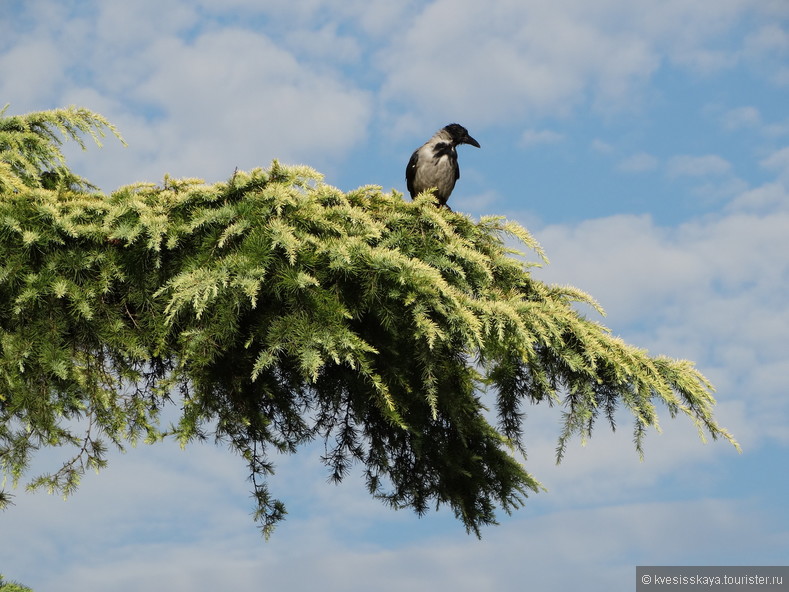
470, 140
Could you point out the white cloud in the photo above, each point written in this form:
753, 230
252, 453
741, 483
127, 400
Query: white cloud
325, 43
206, 112
598, 542
476, 203
748, 118
190, 101
124, 26
767, 49
506, 59
492, 62
32, 70
638, 163
374, 18
533, 137
697, 166
765, 198
270, 104
768, 39
709, 290
742, 117
779, 162
602, 147
719, 189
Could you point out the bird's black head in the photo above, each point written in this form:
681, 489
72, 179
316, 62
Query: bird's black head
460, 134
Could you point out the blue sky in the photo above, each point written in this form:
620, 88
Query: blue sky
645, 144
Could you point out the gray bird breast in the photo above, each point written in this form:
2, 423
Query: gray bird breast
437, 171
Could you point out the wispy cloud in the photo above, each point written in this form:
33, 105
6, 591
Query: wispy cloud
697, 166
638, 163
601, 146
532, 137
742, 117
778, 161
750, 118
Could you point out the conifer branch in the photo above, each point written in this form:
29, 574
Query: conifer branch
30, 154
284, 310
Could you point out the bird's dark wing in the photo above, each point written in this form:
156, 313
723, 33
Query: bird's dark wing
410, 173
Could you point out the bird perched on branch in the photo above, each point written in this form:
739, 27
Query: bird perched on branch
434, 165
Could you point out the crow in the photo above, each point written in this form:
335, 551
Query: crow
434, 165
